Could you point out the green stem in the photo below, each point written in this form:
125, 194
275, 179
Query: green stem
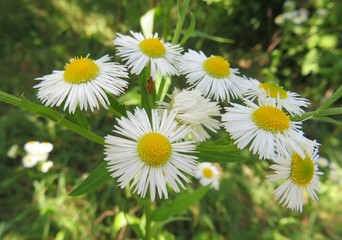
319, 113
51, 114
148, 225
161, 88
180, 21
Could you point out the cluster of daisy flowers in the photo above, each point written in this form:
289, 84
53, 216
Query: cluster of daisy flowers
151, 150
36, 153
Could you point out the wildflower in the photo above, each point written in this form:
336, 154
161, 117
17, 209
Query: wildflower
290, 101
211, 75
84, 82
150, 154
267, 129
40, 150
140, 52
194, 110
323, 162
13, 151
29, 161
208, 174
45, 166
301, 173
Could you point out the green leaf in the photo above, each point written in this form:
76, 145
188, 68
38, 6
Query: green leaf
190, 30
116, 107
79, 118
209, 152
179, 205
204, 35
330, 120
332, 99
96, 178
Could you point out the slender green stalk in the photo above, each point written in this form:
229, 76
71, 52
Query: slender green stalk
51, 114
319, 113
161, 88
148, 225
180, 21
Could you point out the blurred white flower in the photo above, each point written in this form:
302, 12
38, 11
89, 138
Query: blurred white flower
29, 161
45, 167
208, 174
13, 151
297, 17
323, 162
40, 150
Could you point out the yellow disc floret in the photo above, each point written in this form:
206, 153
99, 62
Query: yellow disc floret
303, 170
217, 66
154, 149
274, 90
207, 172
152, 47
271, 119
81, 70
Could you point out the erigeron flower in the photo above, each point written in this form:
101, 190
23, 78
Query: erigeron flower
267, 129
212, 76
194, 110
38, 149
83, 83
149, 154
290, 101
13, 151
300, 174
45, 166
208, 174
139, 52
29, 161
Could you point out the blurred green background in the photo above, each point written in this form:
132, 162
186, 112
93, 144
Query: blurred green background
294, 43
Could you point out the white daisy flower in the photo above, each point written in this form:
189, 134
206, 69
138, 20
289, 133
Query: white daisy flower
39, 150
150, 154
194, 110
301, 173
139, 52
13, 151
29, 161
267, 129
84, 82
291, 101
208, 174
211, 75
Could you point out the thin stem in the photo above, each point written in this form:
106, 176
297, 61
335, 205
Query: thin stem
181, 17
319, 113
161, 88
148, 225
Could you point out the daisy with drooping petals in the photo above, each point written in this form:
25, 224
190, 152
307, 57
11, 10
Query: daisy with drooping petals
150, 154
291, 101
211, 75
84, 82
139, 52
301, 173
194, 110
267, 129
208, 174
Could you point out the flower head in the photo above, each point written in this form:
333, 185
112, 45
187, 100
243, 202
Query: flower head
40, 150
29, 161
84, 82
45, 166
150, 154
267, 129
211, 75
208, 174
194, 110
290, 101
301, 173
13, 151
139, 52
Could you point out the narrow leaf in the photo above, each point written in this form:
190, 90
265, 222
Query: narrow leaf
178, 206
116, 107
332, 99
96, 178
79, 118
204, 35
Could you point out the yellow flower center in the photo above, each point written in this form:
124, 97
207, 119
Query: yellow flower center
80, 70
274, 90
217, 66
154, 149
152, 47
207, 172
303, 170
271, 119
